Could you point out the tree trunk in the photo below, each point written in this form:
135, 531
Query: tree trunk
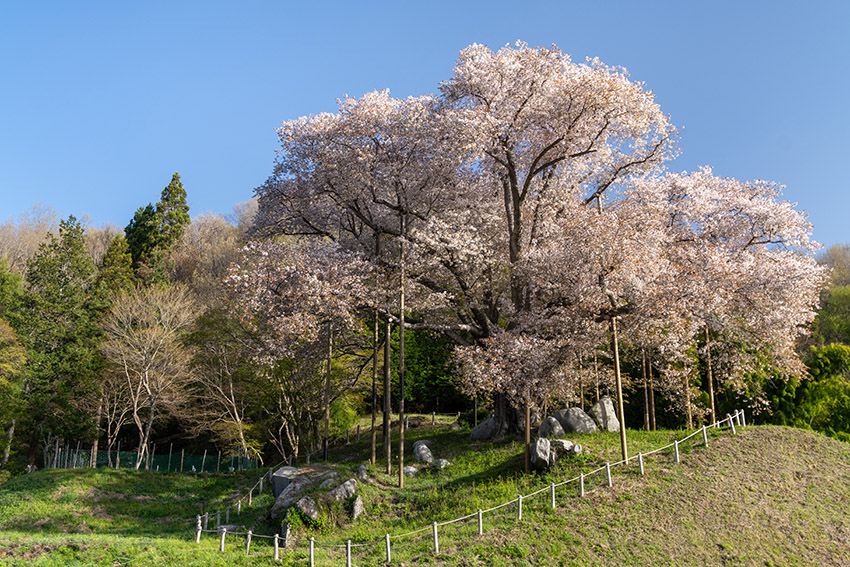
616, 351
688, 412
10, 436
401, 362
97, 418
143, 442
710, 378
328, 394
387, 396
646, 417
375, 349
509, 420
651, 394
527, 437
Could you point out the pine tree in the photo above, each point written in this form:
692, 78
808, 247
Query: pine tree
116, 271
172, 213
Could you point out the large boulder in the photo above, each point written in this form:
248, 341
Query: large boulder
485, 430
427, 442
550, 428
410, 471
561, 445
281, 479
423, 454
541, 454
291, 494
605, 415
308, 507
357, 508
575, 420
343, 491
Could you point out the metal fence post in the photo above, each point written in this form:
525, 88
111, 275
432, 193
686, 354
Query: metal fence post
436, 541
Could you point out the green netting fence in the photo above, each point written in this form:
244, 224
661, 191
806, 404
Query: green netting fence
167, 461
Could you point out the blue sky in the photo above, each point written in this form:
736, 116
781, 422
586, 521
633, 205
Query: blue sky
100, 102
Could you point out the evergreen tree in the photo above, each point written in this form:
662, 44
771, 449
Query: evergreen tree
172, 213
154, 231
58, 324
116, 271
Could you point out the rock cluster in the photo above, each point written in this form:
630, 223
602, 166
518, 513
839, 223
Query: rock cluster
311, 488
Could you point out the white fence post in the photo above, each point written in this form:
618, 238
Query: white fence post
676, 448
348, 553
608, 474
704, 436
519, 507
581, 485
640, 462
731, 424
480, 522
277, 548
221, 544
436, 541
238, 507
743, 418
248, 544
198, 530
552, 494
389, 551
312, 551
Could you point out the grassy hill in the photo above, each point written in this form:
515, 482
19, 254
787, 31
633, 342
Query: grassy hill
768, 496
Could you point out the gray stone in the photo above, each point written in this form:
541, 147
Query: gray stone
357, 508
344, 490
411, 471
485, 430
576, 450
308, 507
454, 426
574, 420
362, 473
329, 483
605, 415
231, 528
281, 479
423, 454
291, 494
561, 445
553, 458
427, 442
550, 427
440, 464
540, 454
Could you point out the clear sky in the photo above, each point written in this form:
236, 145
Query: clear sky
100, 102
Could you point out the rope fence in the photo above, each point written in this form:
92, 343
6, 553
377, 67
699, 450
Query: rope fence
432, 533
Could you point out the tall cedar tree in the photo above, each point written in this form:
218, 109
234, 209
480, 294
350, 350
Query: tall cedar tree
59, 328
154, 231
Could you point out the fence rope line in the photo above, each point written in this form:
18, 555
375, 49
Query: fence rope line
729, 420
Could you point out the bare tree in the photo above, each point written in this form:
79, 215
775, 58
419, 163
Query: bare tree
144, 332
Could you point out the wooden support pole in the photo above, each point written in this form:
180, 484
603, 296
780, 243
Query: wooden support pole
436, 540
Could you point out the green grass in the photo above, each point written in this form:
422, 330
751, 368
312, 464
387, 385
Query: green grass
769, 496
